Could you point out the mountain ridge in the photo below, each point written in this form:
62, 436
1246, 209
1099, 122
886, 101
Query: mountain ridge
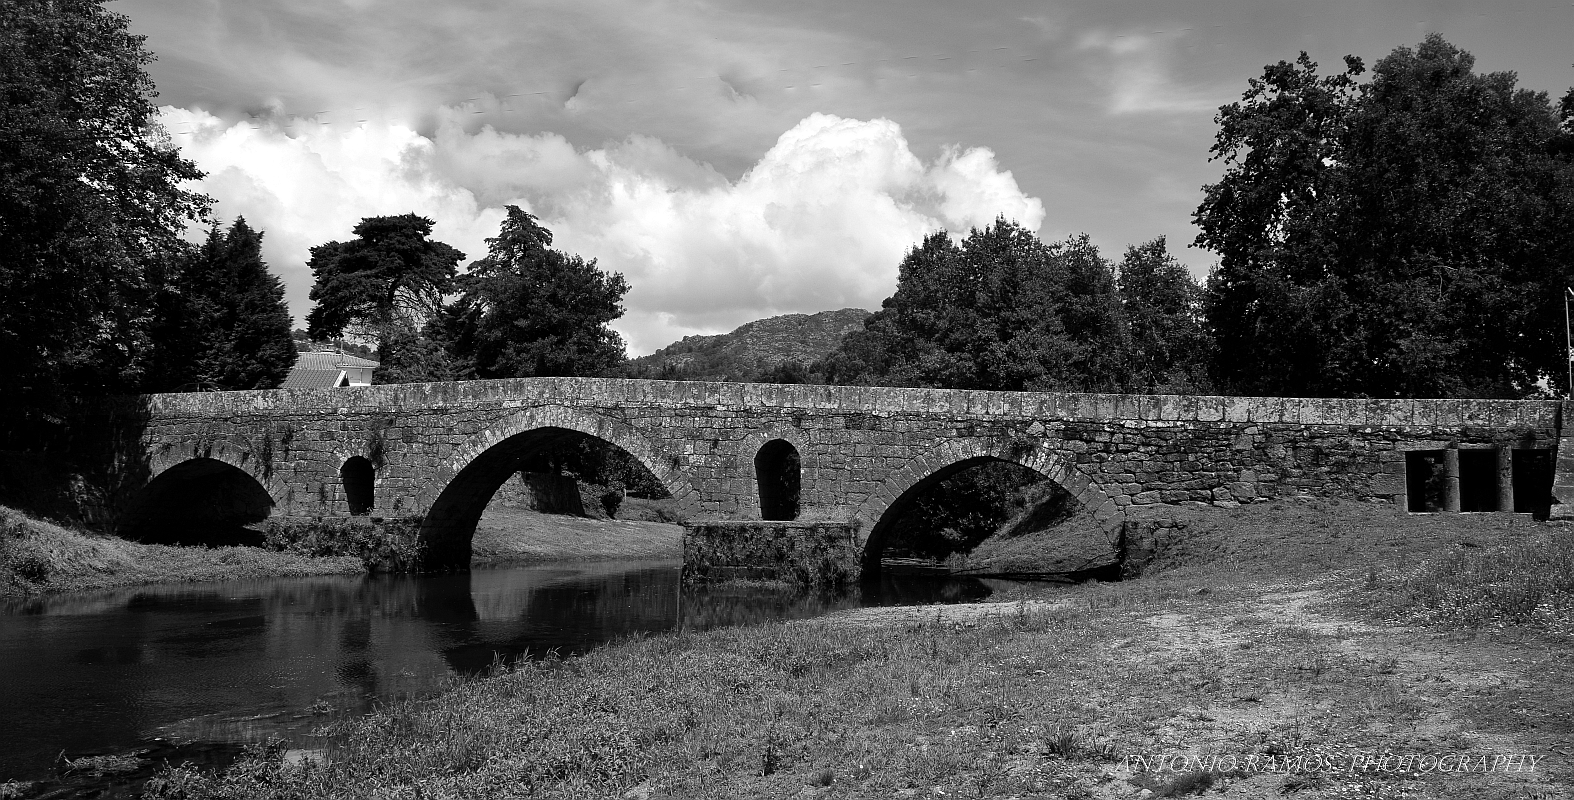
752, 348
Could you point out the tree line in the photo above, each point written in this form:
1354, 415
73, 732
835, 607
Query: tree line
1409, 234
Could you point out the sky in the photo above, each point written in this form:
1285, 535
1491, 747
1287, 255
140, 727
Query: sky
745, 159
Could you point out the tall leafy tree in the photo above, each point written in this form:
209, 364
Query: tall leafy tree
1170, 345
528, 310
1000, 310
222, 319
386, 284
91, 201
1407, 236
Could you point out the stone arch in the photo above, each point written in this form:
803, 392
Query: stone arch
165, 458
358, 481
198, 500
477, 469
954, 455
778, 477
749, 448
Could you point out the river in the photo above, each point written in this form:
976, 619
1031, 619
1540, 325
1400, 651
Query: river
192, 671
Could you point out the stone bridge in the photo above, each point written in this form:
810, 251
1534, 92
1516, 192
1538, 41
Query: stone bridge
409, 468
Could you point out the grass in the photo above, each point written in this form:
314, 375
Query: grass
512, 535
38, 556
1262, 637
1524, 582
1083, 696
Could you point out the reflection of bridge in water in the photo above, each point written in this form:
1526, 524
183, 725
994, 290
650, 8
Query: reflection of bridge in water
407, 469
242, 660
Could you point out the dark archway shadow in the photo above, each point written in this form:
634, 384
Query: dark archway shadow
201, 501
882, 534
449, 527
778, 474
359, 478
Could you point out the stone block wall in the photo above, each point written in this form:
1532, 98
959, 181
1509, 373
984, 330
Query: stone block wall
441, 449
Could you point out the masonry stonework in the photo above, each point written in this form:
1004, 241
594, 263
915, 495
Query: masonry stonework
441, 450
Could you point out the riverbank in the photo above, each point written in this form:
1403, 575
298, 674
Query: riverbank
38, 557
509, 535
1284, 674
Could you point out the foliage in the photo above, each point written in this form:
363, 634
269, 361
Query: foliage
527, 310
1002, 310
386, 282
960, 511
221, 320
1170, 346
786, 372
91, 204
408, 357
598, 463
1406, 237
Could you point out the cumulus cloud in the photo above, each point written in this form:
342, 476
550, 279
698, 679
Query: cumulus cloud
820, 221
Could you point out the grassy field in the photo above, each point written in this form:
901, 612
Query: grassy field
512, 535
37, 556
1239, 675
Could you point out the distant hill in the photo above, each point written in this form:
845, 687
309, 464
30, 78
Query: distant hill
752, 349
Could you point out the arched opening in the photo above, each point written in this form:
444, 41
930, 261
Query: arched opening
547, 493
359, 478
201, 501
980, 513
778, 472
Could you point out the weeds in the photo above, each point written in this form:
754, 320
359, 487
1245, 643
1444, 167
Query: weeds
1518, 583
37, 556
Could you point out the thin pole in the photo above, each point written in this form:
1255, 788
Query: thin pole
1568, 337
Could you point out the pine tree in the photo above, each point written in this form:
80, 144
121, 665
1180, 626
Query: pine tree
222, 320
527, 310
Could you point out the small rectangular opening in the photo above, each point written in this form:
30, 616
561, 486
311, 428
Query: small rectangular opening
1478, 479
1533, 482
1424, 480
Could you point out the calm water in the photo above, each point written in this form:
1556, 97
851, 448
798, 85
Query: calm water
189, 671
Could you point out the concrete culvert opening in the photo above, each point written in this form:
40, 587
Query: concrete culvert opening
1532, 482
1478, 479
360, 480
498, 509
778, 472
1425, 481
202, 501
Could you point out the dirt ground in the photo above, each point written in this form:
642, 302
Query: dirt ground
1293, 690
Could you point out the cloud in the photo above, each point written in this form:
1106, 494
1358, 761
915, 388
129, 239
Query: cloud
820, 221
1138, 76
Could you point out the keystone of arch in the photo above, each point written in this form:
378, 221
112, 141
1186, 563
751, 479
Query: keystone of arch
661, 464
1037, 455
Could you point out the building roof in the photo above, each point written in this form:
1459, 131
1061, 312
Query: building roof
323, 370
331, 360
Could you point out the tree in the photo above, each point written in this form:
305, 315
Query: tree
528, 310
91, 204
1170, 347
388, 283
1002, 310
1403, 237
222, 319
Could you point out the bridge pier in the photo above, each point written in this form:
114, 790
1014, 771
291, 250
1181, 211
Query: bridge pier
806, 553
384, 544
